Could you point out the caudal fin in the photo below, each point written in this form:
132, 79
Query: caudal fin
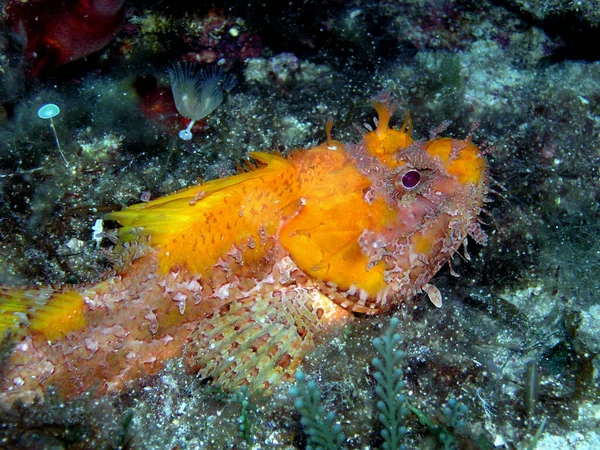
41, 311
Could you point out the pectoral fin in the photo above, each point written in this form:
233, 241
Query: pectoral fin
234, 349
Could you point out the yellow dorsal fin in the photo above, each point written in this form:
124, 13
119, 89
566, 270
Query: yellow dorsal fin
162, 211
192, 227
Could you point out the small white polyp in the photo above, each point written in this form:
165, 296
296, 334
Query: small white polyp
186, 134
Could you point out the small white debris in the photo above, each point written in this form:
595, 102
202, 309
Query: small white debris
499, 441
583, 100
98, 231
75, 244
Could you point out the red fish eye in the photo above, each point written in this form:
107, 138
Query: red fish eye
411, 179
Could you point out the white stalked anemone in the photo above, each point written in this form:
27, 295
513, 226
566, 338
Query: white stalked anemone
196, 94
47, 112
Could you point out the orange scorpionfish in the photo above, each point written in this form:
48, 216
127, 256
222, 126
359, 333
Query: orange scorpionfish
243, 276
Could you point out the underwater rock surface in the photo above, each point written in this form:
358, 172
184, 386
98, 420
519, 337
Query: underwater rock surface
516, 340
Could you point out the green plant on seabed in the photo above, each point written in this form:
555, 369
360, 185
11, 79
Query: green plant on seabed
390, 387
453, 413
323, 431
392, 405
327, 434
244, 425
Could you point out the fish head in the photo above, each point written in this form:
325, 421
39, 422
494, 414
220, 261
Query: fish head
421, 202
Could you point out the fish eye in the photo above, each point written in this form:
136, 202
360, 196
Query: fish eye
410, 179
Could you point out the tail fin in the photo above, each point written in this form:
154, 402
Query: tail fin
43, 311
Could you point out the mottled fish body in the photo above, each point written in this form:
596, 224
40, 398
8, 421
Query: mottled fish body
244, 275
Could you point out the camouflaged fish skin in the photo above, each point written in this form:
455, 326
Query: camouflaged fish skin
244, 275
